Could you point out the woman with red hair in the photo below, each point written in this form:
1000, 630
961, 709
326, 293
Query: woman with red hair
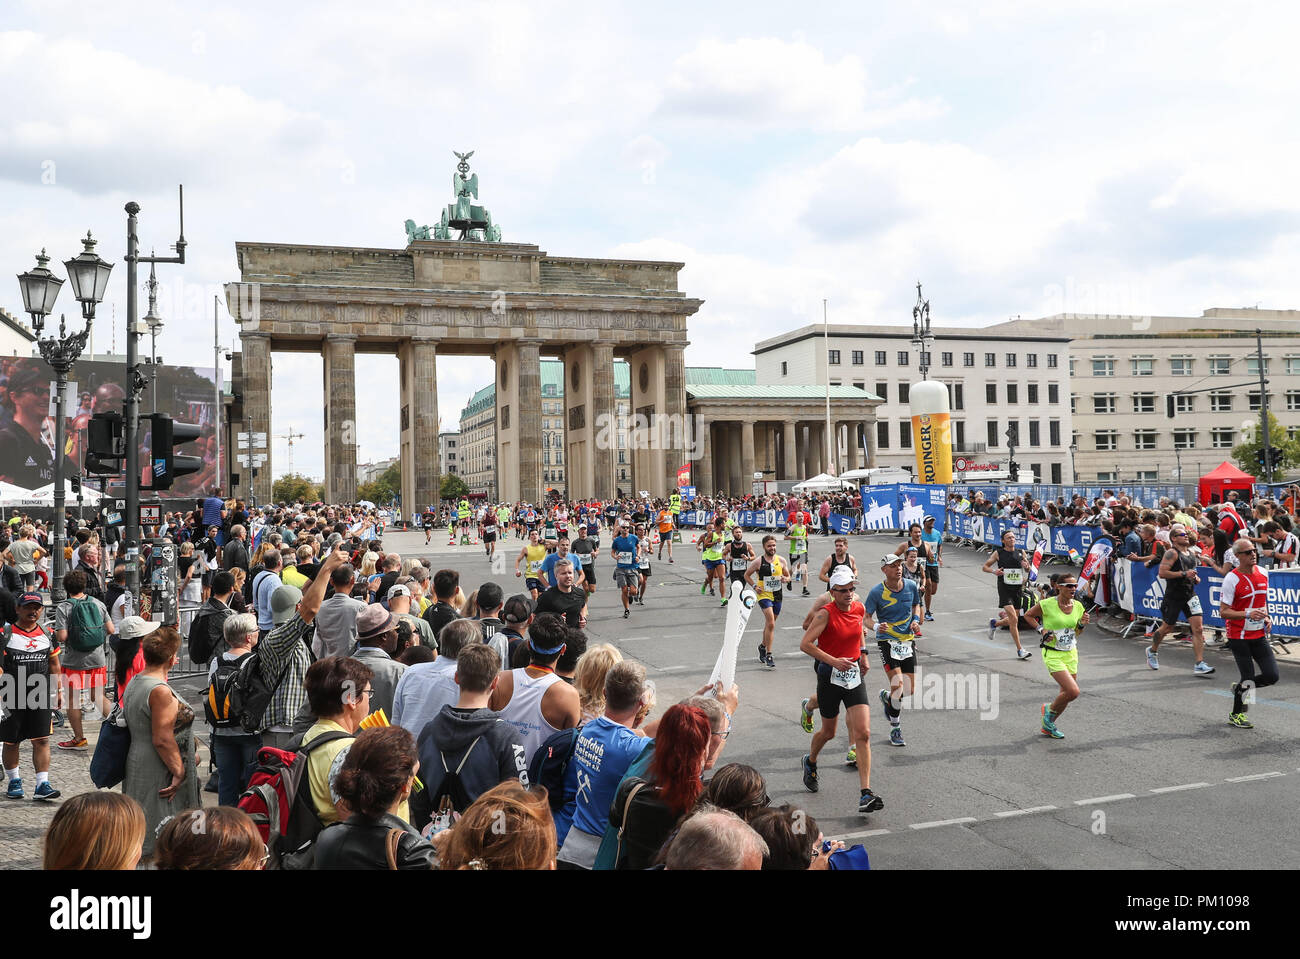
645, 811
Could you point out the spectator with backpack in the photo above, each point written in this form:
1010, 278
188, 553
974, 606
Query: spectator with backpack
376, 778
467, 749
207, 631
339, 690
233, 749
82, 627
282, 658
265, 584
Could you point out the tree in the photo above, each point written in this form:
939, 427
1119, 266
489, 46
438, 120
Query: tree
383, 489
1250, 453
452, 486
295, 486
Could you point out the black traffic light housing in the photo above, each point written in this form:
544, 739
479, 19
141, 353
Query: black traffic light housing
1169, 405
105, 447
165, 463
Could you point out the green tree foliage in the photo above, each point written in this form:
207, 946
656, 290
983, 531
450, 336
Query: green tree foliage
383, 489
295, 486
452, 486
1249, 454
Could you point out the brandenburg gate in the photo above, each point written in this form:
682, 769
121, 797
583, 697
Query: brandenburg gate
472, 295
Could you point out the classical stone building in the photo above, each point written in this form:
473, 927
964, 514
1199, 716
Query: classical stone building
510, 301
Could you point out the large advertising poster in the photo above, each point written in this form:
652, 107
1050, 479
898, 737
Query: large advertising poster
186, 393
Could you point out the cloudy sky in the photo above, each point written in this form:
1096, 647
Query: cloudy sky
1019, 158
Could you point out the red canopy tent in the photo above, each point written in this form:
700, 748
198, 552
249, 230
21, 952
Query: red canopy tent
1215, 484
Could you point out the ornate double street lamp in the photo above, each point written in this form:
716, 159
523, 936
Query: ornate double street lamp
40, 288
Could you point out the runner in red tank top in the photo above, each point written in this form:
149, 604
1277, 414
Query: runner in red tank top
835, 640
1243, 603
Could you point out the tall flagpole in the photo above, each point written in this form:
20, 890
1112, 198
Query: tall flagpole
832, 465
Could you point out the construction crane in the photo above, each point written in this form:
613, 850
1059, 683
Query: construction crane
291, 436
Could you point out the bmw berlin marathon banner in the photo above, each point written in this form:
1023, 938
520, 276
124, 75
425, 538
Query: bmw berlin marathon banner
185, 393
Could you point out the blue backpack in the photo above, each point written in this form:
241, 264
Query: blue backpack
550, 764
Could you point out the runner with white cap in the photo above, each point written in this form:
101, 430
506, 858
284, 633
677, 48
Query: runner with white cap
896, 605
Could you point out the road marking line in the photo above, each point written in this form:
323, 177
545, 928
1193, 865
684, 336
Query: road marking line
632, 639
1246, 779
1174, 789
669, 669
1258, 702
982, 642
1102, 799
864, 834
941, 822
1024, 812
975, 610
791, 627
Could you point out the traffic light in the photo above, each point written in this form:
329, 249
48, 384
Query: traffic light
105, 447
1169, 405
1015, 470
166, 464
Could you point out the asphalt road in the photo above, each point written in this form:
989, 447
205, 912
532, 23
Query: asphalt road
1149, 775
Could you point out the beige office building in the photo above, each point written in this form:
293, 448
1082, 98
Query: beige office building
1124, 367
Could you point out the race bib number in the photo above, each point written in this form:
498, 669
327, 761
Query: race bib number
534, 566
1194, 606
900, 650
847, 678
1013, 577
771, 584
1065, 640
586, 559
739, 565
645, 562
624, 558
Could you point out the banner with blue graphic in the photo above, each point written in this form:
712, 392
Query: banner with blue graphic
841, 524
879, 507
1284, 601
1140, 590
915, 502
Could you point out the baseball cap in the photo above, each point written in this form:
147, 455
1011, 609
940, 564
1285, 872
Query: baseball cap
518, 608
284, 603
135, 627
374, 621
31, 599
398, 590
843, 576
889, 559
928, 519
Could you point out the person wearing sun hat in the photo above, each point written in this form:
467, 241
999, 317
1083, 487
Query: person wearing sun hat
376, 643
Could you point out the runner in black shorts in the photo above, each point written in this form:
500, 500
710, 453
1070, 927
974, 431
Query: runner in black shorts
30, 658
1010, 566
737, 554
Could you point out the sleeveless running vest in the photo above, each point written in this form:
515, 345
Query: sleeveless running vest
524, 711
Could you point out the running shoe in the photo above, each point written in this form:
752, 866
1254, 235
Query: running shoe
896, 736
74, 744
46, 791
805, 591
1049, 726
1236, 719
805, 717
15, 790
869, 802
1152, 659
627, 613
724, 602
702, 589
1202, 668
851, 757
771, 663
928, 617
993, 627
1022, 654
889, 706
762, 659
809, 777
670, 559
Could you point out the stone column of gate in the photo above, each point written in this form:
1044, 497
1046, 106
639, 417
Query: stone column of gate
675, 433
530, 420
604, 450
702, 469
789, 447
855, 451
256, 373
869, 444
418, 362
339, 353
747, 428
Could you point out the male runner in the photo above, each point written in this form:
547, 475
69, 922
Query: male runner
772, 576
797, 535
896, 605
837, 641
1011, 567
534, 553
489, 532
584, 548
666, 518
626, 575
837, 559
1178, 570
428, 520
737, 555
933, 540
1243, 600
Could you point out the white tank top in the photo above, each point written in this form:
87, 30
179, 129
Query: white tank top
524, 711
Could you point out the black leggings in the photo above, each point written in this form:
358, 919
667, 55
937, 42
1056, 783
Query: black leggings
1248, 653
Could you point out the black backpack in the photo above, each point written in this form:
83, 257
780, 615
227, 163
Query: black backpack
217, 697
250, 693
450, 800
550, 764
205, 636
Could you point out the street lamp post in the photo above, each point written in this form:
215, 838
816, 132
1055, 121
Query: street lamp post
154, 322
40, 288
1074, 473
